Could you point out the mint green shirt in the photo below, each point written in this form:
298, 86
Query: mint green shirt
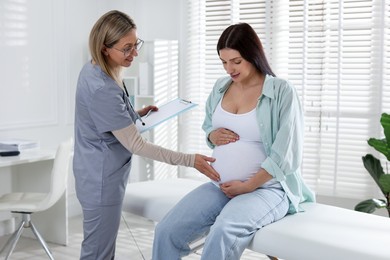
280, 118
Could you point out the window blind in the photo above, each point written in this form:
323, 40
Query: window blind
336, 53
164, 58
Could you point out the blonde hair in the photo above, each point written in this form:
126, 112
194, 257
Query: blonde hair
106, 32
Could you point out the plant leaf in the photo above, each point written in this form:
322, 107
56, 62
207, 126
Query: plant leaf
370, 205
380, 145
373, 166
384, 182
385, 122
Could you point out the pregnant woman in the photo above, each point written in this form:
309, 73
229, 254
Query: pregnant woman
254, 124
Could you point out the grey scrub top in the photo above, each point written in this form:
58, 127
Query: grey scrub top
101, 165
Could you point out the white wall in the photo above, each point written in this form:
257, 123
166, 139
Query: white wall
44, 44
43, 47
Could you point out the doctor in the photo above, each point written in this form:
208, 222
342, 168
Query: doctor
106, 136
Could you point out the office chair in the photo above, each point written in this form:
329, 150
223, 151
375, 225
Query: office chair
29, 202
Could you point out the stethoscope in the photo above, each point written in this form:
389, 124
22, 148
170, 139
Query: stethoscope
131, 105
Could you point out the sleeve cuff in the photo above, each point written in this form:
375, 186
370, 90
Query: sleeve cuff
272, 168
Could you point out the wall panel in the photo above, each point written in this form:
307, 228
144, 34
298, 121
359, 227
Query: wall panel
28, 93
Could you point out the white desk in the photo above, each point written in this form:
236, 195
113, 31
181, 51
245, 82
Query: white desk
30, 171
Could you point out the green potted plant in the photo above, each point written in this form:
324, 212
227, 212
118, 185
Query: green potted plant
374, 167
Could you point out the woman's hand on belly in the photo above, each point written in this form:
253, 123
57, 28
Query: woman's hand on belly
223, 136
235, 188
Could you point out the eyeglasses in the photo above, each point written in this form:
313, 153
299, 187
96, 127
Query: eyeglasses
127, 51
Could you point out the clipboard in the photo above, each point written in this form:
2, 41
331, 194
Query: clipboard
165, 112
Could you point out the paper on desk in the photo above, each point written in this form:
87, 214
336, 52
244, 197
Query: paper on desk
16, 144
166, 111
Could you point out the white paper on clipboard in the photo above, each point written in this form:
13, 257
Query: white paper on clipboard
165, 112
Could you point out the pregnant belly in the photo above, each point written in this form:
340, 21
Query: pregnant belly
239, 160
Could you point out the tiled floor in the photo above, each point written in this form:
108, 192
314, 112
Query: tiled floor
134, 243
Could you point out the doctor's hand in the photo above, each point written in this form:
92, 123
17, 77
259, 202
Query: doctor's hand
223, 136
144, 111
202, 165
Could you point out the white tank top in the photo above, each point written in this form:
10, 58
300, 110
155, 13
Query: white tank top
239, 160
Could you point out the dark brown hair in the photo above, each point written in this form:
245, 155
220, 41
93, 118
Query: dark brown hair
242, 38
